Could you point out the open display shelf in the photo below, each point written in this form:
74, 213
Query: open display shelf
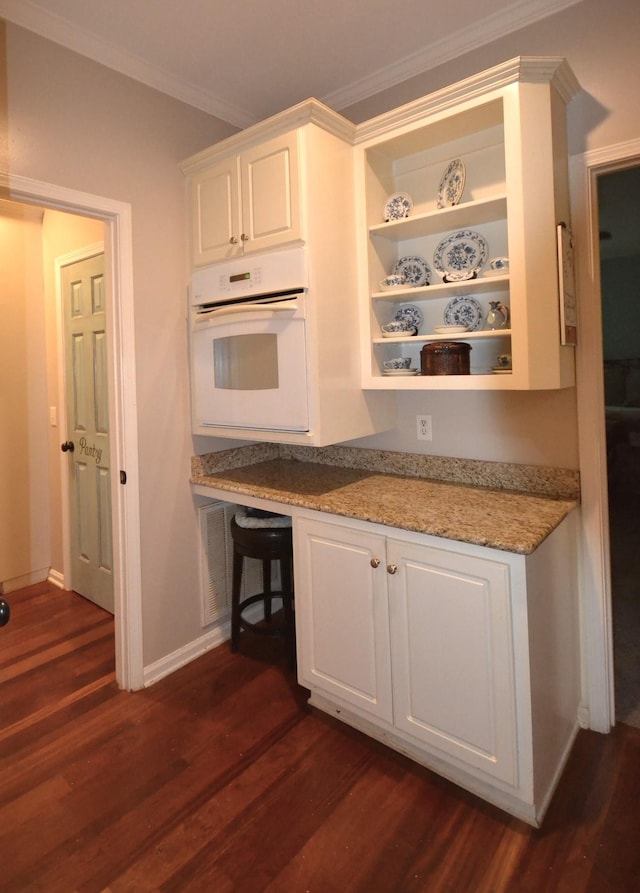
508, 131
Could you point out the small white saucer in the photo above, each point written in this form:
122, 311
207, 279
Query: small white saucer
399, 335
501, 370
400, 372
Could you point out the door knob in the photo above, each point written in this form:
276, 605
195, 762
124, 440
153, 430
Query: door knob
244, 237
5, 612
233, 240
375, 562
392, 568
67, 446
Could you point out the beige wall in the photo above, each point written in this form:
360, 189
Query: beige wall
600, 41
75, 124
24, 472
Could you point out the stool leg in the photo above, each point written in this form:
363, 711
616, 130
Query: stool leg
287, 610
236, 583
266, 588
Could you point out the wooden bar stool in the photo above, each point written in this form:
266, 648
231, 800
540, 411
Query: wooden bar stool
267, 538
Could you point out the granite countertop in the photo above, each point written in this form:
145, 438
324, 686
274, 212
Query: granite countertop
509, 520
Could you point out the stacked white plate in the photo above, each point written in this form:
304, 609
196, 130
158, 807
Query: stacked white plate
450, 330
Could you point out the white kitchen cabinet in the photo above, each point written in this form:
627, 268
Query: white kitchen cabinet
453, 654
462, 657
341, 608
507, 127
246, 202
292, 175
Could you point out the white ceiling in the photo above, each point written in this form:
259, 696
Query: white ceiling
243, 61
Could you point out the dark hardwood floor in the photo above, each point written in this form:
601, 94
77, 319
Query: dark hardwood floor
219, 779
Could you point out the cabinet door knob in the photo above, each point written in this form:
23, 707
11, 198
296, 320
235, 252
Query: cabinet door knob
233, 241
244, 237
67, 446
375, 562
392, 568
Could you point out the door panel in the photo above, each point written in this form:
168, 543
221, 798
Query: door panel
270, 193
84, 296
215, 213
453, 650
341, 615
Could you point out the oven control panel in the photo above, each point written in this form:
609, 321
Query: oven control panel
266, 273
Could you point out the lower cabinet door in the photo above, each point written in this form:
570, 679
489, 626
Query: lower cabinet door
452, 656
342, 615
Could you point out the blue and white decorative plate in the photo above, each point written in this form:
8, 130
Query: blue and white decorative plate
464, 311
452, 184
464, 250
409, 313
397, 206
415, 270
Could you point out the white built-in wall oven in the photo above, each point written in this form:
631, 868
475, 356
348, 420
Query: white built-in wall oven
248, 344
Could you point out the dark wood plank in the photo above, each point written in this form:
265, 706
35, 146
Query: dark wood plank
221, 779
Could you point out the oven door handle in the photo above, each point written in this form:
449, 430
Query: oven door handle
258, 311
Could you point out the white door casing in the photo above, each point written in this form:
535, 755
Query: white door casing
595, 572
87, 536
123, 423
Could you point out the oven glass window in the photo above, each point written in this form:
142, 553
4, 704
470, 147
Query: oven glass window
246, 362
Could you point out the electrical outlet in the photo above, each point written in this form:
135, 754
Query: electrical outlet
423, 426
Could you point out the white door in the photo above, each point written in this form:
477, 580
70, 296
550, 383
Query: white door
87, 444
341, 614
215, 213
452, 647
270, 194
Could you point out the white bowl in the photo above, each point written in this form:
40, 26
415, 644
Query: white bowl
450, 330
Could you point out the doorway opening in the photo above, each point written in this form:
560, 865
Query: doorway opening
598, 701
116, 218
619, 237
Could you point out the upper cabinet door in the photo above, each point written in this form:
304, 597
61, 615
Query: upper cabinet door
270, 193
247, 202
215, 210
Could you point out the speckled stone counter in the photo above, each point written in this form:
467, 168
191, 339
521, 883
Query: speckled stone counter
511, 520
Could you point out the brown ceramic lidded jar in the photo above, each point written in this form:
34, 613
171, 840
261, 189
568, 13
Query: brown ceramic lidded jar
445, 358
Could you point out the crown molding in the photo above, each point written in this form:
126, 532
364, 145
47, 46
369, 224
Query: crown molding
311, 111
57, 30
517, 16
527, 69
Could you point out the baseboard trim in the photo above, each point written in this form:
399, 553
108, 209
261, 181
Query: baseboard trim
23, 580
217, 635
183, 656
56, 578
